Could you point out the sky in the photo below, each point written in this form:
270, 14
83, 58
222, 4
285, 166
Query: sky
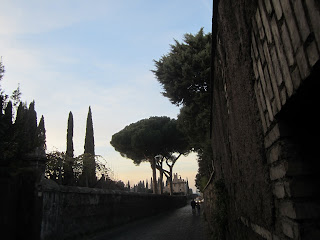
67, 55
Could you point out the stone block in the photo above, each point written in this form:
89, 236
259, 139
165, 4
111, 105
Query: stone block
274, 153
254, 45
261, 53
287, 209
302, 21
278, 171
290, 229
302, 63
283, 96
276, 65
278, 190
265, 21
312, 53
282, 59
261, 97
261, 231
277, 8
268, 122
296, 79
274, 106
268, 6
259, 24
255, 70
287, 44
314, 13
272, 136
272, 78
263, 121
266, 72
291, 22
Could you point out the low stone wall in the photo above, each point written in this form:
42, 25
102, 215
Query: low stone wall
73, 212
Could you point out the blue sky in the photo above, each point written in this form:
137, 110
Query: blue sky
68, 55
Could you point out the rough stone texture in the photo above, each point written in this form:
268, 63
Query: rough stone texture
74, 212
238, 155
263, 132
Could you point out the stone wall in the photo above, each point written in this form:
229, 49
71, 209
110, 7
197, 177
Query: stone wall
265, 84
73, 212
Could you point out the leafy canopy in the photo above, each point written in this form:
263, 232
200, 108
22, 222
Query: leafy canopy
143, 140
184, 74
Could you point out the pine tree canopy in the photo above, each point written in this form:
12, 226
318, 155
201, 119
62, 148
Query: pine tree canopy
143, 140
184, 74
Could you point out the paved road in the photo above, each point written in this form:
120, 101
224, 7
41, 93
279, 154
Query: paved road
179, 224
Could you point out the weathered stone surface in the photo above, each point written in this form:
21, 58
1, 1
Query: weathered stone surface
259, 25
287, 44
290, 229
265, 22
287, 209
268, 6
312, 53
274, 153
296, 79
302, 63
314, 13
282, 58
272, 136
71, 212
272, 79
278, 171
290, 20
278, 190
302, 21
276, 66
254, 45
277, 8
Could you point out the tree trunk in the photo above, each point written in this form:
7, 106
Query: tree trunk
154, 175
170, 181
160, 181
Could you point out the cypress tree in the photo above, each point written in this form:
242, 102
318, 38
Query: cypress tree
20, 135
89, 165
31, 128
41, 138
8, 115
68, 170
89, 139
69, 151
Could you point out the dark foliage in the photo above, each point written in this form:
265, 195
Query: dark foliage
184, 74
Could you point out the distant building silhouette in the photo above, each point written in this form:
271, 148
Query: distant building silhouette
179, 185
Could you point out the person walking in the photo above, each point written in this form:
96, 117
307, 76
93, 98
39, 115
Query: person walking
193, 206
198, 207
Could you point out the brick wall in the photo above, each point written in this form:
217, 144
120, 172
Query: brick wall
265, 87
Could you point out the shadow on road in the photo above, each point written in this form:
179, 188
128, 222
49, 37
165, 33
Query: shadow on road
180, 224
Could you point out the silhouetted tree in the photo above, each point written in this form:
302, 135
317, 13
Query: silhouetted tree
23, 137
147, 138
41, 138
184, 74
89, 165
68, 170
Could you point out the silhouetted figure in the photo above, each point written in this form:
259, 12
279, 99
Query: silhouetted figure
193, 205
198, 207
